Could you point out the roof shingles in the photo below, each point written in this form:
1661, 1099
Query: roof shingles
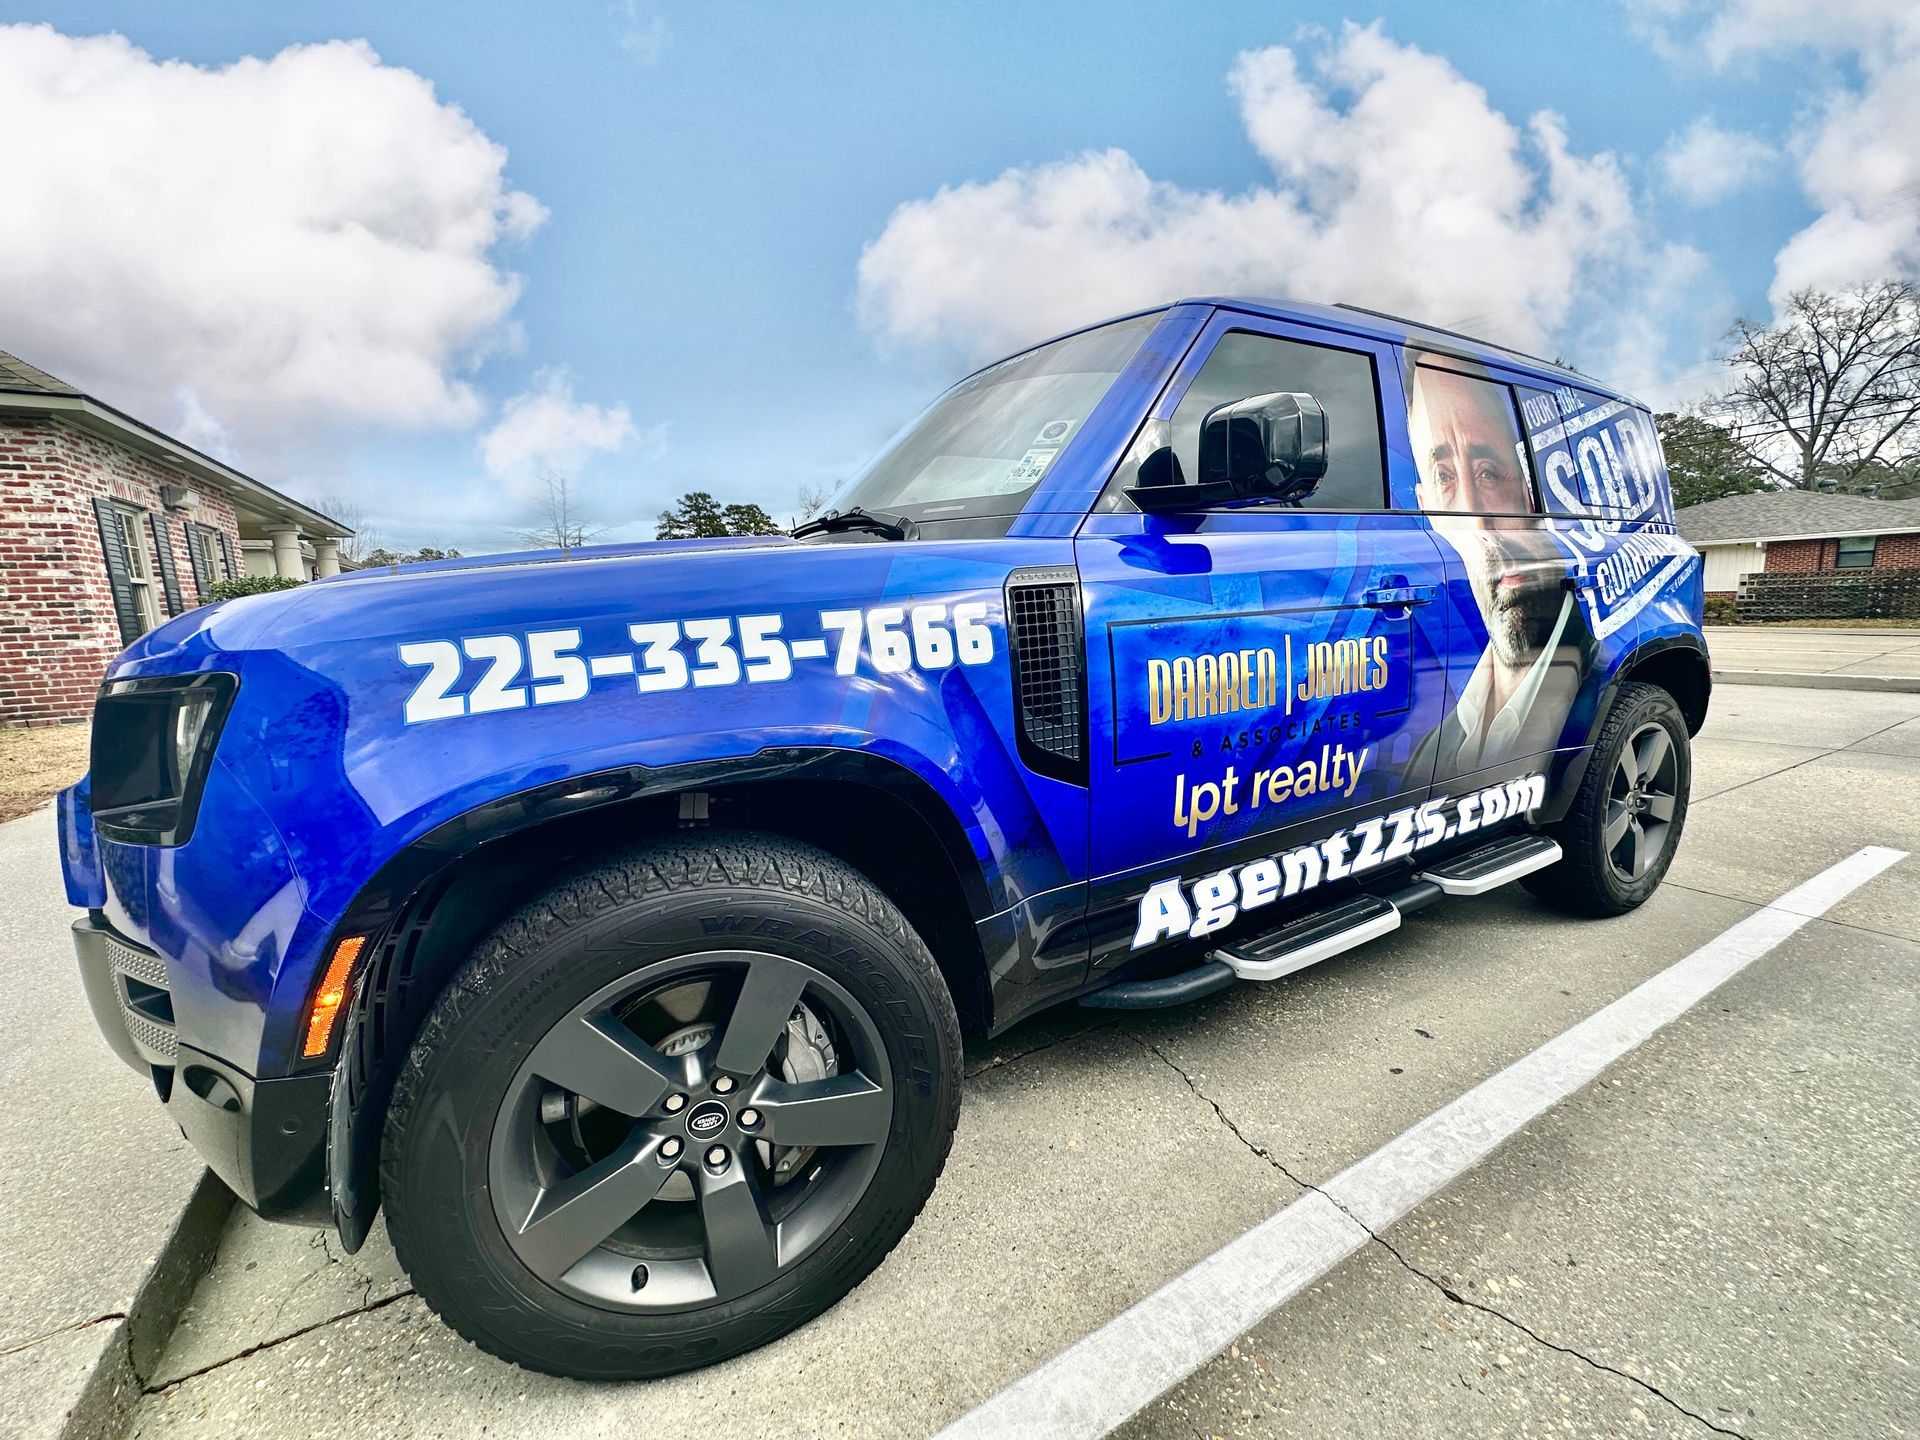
16, 374
1793, 514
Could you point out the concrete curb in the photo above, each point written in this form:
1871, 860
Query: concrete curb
1898, 684
106, 1402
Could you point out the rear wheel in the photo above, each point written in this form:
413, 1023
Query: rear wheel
1619, 836
675, 1108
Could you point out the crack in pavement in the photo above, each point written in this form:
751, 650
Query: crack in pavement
1000, 1060
1811, 759
32, 1340
276, 1341
1448, 1291
300, 1281
1816, 920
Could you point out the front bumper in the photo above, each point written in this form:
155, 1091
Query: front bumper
265, 1138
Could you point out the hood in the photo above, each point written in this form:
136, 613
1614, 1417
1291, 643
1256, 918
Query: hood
578, 554
388, 592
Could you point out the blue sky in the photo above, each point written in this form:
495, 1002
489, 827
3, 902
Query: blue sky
710, 176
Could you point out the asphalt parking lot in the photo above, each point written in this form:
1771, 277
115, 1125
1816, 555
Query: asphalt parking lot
1717, 1235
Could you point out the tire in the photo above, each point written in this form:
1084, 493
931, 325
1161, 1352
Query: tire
1590, 878
494, 1172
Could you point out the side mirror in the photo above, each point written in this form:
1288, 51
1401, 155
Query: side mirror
1266, 447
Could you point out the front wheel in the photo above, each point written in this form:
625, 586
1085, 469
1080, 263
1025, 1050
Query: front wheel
1619, 836
676, 1107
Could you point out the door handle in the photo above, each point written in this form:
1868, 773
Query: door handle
1383, 596
1583, 580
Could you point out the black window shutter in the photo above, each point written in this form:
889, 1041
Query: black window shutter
226, 553
163, 550
125, 609
197, 558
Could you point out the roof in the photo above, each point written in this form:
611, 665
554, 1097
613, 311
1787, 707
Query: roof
1375, 325
1794, 515
16, 374
27, 389
1399, 330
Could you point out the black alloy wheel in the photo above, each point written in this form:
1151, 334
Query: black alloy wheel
1623, 828
1641, 801
677, 1105
678, 1139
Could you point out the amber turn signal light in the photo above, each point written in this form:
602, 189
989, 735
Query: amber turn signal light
332, 997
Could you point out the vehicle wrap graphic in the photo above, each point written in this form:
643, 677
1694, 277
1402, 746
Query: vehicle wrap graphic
673, 654
1252, 677
1475, 486
1176, 908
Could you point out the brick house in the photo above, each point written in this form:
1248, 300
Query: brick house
1800, 532
107, 527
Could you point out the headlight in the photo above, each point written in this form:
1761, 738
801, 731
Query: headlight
152, 743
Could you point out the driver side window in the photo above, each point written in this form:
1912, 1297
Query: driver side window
1244, 364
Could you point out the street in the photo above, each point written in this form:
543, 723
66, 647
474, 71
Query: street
1717, 1235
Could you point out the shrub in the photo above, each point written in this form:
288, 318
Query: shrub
1720, 610
251, 585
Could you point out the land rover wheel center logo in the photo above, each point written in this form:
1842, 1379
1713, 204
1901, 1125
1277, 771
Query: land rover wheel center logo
706, 1119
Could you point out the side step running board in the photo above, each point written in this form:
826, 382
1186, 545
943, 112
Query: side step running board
1302, 941
1310, 939
1492, 866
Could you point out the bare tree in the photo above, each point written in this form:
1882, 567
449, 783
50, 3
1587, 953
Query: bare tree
810, 499
561, 523
364, 540
1831, 391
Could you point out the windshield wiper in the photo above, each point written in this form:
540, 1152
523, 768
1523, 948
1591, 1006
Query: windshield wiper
894, 527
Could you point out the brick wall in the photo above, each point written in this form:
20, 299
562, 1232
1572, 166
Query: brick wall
1807, 557
57, 626
1800, 557
1897, 552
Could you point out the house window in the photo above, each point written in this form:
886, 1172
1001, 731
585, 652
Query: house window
136, 549
203, 551
1854, 553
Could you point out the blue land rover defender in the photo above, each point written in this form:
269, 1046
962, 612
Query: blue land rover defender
612, 918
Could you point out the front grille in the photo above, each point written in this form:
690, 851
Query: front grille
147, 968
1049, 670
146, 1000
158, 1042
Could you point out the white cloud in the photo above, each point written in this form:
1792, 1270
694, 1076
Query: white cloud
256, 251
1727, 30
1858, 153
200, 428
642, 30
1395, 184
1861, 166
546, 429
1704, 163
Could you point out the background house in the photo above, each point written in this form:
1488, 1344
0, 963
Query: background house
1799, 532
107, 527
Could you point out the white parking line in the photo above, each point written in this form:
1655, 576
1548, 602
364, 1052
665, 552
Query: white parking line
1099, 1383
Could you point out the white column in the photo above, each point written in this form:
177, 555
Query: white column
286, 552
326, 558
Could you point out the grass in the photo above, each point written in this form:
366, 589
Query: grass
36, 762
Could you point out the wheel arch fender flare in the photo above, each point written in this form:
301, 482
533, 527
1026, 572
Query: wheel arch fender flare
399, 903
1678, 664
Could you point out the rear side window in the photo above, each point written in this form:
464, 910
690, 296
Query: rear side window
1467, 448
1243, 365
1595, 456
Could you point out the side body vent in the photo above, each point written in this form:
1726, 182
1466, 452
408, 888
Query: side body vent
1049, 670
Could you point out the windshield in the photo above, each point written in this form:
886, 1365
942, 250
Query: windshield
983, 446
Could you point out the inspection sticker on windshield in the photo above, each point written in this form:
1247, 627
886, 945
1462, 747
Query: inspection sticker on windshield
1054, 432
1031, 466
